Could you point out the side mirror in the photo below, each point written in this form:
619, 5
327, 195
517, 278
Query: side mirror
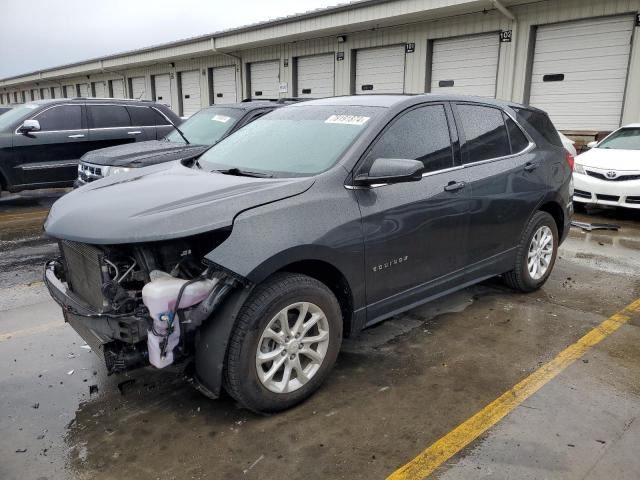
29, 126
592, 144
391, 170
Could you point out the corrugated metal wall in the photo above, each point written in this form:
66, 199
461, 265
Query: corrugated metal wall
413, 28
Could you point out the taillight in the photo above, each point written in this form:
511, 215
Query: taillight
570, 160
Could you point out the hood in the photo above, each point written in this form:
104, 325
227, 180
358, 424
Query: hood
161, 202
142, 154
610, 159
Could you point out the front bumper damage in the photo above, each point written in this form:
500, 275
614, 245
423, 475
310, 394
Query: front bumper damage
122, 339
119, 339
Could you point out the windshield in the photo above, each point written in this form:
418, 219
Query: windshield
623, 139
292, 141
16, 114
207, 126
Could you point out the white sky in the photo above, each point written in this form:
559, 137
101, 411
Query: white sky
36, 34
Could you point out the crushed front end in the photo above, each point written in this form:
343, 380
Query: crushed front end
140, 303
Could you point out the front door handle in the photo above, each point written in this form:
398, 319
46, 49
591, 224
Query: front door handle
78, 135
530, 166
453, 186
137, 132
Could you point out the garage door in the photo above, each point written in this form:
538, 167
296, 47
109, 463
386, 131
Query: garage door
117, 88
264, 79
315, 76
224, 85
380, 70
466, 65
100, 89
138, 88
580, 70
84, 90
162, 89
190, 91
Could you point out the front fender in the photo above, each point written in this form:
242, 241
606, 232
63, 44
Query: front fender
320, 224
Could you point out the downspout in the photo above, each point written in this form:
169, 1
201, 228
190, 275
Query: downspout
235, 57
497, 4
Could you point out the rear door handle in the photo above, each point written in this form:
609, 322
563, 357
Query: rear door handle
454, 186
530, 166
78, 135
136, 132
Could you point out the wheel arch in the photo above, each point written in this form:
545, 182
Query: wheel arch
334, 279
554, 209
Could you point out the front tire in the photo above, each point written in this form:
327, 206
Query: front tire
284, 344
535, 255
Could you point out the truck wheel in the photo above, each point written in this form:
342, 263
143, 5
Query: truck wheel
285, 341
536, 254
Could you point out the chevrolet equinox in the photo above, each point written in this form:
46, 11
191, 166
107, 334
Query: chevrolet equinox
309, 224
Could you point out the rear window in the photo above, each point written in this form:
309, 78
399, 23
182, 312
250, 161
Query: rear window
108, 116
146, 117
541, 123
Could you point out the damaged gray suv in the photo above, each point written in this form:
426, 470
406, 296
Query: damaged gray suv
310, 224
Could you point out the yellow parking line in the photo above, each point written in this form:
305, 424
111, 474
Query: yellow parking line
30, 331
461, 436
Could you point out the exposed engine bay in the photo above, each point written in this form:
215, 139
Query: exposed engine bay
138, 303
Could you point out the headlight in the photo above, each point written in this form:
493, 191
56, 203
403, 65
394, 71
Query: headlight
114, 170
578, 168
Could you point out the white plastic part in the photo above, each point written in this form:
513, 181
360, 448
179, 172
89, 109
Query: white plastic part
160, 296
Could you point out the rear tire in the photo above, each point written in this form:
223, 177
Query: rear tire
535, 255
285, 342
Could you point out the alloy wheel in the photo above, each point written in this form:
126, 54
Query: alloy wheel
292, 347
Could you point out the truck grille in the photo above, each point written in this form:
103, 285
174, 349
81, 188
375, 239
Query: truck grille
84, 272
89, 173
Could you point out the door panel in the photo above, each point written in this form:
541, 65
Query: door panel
503, 194
51, 155
416, 232
110, 125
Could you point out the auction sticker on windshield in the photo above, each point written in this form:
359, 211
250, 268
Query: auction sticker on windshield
221, 118
347, 119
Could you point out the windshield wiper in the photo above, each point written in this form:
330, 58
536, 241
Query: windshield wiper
174, 126
244, 173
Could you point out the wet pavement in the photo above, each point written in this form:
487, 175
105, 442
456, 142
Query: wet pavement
395, 390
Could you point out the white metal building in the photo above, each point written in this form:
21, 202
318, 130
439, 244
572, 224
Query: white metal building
577, 59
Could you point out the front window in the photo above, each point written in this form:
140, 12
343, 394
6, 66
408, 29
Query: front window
291, 141
207, 126
623, 139
16, 114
